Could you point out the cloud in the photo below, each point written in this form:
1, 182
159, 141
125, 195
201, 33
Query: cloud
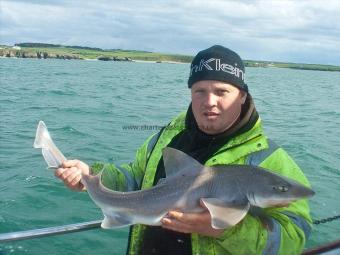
300, 31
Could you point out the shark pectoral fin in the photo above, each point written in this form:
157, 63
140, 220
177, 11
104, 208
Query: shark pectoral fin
117, 221
224, 215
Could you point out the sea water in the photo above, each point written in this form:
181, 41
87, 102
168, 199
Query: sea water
103, 111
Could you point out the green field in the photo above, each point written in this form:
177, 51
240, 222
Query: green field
303, 66
95, 54
39, 50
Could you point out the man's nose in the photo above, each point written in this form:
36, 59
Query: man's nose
211, 100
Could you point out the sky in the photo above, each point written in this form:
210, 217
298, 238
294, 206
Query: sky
303, 31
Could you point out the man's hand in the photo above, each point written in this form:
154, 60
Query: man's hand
199, 223
70, 173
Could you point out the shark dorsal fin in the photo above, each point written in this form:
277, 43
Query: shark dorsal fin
177, 163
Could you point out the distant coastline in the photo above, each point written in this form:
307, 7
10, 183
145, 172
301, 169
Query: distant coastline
46, 51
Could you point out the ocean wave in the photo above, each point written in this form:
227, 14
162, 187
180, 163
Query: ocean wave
71, 131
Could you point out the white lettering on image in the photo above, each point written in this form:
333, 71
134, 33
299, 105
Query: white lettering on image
233, 70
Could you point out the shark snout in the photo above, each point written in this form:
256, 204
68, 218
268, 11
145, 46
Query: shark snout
303, 192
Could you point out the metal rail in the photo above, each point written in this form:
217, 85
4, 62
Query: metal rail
59, 230
43, 232
333, 246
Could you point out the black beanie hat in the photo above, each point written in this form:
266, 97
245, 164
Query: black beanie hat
220, 64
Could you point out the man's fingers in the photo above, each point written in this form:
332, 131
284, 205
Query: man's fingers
76, 180
63, 173
59, 172
74, 173
176, 225
73, 180
70, 173
70, 163
202, 226
75, 184
190, 218
67, 174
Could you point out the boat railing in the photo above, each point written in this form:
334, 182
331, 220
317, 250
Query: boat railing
51, 231
90, 225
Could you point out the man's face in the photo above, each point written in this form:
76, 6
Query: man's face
216, 105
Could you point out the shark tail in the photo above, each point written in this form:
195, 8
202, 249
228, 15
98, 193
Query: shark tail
43, 141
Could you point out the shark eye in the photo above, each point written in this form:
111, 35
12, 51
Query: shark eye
280, 188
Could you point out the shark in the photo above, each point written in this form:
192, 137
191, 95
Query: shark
227, 191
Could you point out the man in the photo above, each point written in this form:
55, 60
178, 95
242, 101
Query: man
221, 126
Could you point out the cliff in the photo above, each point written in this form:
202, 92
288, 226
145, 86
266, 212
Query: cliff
7, 52
44, 51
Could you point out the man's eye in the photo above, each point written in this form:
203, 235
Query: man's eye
222, 91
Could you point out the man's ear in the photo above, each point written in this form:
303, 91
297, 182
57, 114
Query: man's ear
243, 97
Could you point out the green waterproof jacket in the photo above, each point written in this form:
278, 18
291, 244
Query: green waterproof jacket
272, 231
